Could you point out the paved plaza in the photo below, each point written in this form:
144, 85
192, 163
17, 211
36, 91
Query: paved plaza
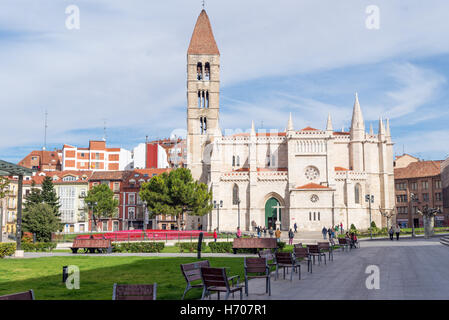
409, 269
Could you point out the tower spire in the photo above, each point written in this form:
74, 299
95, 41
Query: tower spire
290, 123
329, 123
203, 41
357, 124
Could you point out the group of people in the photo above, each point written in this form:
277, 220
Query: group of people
394, 230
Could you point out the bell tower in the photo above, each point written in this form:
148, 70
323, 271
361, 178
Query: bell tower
203, 90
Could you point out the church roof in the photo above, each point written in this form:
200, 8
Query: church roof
419, 169
309, 129
203, 41
340, 169
312, 186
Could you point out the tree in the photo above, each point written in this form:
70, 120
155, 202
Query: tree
4, 187
48, 194
101, 199
175, 194
41, 219
34, 197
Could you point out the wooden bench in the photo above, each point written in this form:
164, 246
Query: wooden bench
91, 245
302, 254
134, 291
314, 251
215, 279
192, 273
254, 243
27, 295
287, 260
325, 247
260, 269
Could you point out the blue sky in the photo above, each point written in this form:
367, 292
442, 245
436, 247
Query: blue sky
127, 65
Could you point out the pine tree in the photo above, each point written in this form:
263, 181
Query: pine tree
34, 197
49, 194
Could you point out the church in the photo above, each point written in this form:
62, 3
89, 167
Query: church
311, 177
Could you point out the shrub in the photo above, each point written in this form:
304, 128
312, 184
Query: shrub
373, 224
38, 246
281, 245
138, 247
7, 249
27, 237
220, 247
189, 246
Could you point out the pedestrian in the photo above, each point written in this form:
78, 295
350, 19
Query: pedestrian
333, 233
324, 232
239, 233
278, 235
270, 231
341, 227
329, 231
291, 235
391, 232
296, 227
258, 231
397, 231
264, 232
215, 235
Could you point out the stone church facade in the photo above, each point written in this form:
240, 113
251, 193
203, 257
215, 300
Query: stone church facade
310, 177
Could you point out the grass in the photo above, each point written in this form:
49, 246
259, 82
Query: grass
98, 274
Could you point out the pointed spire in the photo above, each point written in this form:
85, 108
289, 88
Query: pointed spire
381, 128
387, 130
203, 41
290, 123
253, 130
329, 123
357, 117
371, 131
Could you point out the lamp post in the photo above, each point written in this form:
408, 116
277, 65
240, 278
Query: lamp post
218, 206
91, 206
413, 198
370, 199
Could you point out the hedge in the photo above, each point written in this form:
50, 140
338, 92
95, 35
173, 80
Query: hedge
226, 247
189, 246
7, 249
138, 247
38, 246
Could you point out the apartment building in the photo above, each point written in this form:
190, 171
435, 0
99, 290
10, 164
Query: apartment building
42, 160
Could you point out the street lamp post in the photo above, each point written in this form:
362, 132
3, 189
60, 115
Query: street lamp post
370, 199
413, 198
218, 206
91, 206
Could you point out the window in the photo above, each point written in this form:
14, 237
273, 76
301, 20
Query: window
403, 210
33, 158
235, 194
401, 198
318, 216
357, 193
425, 197
425, 185
105, 225
233, 161
314, 216
69, 178
203, 99
238, 161
438, 184
131, 199
401, 186
438, 196
203, 125
131, 213
207, 71
116, 187
199, 71
310, 216
97, 156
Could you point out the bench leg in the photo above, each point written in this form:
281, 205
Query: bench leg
185, 291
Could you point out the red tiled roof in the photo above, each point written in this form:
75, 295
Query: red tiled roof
340, 169
309, 129
312, 186
419, 169
339, 133
109, 175
203, 41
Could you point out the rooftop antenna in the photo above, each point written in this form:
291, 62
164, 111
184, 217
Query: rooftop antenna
203, 3
45, 131
104, 130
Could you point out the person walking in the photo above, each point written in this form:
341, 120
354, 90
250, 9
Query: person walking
264, 232
329, 231
324, 232
291, 235
397, 231
333, 233
391, 232
239, 233
278, 235
258, 231
215, 235
271, 232
341, 227
296, 227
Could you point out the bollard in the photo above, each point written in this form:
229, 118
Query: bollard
200, 242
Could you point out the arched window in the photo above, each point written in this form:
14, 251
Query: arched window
238, 161
273, 160
199, 71
357, 191
207, 71
233, 161
203, 125
235, 194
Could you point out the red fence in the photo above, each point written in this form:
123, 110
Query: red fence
141, 235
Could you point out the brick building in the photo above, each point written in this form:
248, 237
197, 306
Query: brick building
445, 182
97, 157
423, 180
42, 160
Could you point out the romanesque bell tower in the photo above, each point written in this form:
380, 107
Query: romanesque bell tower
203, 89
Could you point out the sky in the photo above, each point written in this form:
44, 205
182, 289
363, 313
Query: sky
126, 67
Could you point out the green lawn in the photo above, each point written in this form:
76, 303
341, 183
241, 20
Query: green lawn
98, 274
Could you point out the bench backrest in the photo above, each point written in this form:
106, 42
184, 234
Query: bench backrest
92, 243
214, 277
297, 245
284, 257
324, 245
134, 291
301, 252
254, 265
27, 295
257, 243
192, 271
313, 248
267, 254
341, 240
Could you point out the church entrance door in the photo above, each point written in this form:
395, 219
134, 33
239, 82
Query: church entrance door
271, 213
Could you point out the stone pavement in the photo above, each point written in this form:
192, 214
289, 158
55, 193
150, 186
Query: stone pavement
409, 269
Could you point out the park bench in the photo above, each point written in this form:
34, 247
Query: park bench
27, 295
343, 242
215, 279
302, 254
325, 247
91, 245
134, 291
254, 243
314, 251
192, 273
260, 269
298, 245
287, 260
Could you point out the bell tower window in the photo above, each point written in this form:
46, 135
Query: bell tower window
203, 125
207, 71
199, 71
203, 99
